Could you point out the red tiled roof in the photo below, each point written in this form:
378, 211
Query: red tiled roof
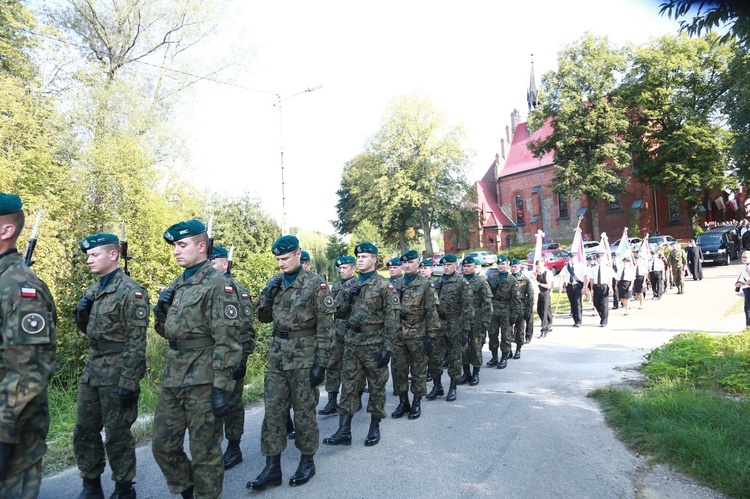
487, 204
520, 158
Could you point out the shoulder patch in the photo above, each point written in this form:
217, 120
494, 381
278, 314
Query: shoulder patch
323, 285
28, 292
394, 300
467, 283
245, 296
228, 289
32, 323
138, 294
390, 286
230, 311
140, 312
328, 301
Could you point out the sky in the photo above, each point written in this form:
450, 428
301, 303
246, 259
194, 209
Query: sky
471, 59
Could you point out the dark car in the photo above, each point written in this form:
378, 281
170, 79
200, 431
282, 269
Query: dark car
719, 245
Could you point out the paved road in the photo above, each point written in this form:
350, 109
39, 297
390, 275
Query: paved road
528, 431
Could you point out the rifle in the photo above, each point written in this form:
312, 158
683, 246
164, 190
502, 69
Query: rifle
124, 249
27, 255
229, 259
210, 233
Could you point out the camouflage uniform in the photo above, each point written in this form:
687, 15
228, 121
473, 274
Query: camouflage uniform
27, 361
202, 325
502, 310
234, 424
116, 327
456, 313
677, 263
471, 353
373, 324
523, 305
333, 374
419, 319
303, 328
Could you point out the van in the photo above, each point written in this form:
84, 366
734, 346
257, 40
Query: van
719, 245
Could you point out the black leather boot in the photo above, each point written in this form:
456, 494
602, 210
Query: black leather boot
517, 355
475, 377
466, 376
271, 474
493, 361
416, 408
343, 435
305, 470
451, 392
503, 361
92, 489
373, 436
437, 390
188, 492
233, 455
123, 490
331, 406
403, 405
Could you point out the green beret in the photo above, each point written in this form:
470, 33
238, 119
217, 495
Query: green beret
515, 261
366, 248
98, 240
344, 259
284, 245
219, 252
449, 258
394, 262
410, 255
184, 229
468, 260
427, 262
9, 203
501, 257
305, 256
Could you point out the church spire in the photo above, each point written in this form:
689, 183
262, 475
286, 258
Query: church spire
532, 94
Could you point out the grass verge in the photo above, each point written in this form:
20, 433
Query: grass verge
693, 412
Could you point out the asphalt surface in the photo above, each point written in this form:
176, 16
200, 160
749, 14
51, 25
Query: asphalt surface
528, 431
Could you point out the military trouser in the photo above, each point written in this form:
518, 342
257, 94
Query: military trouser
447, 344
678, 276
360, 364
518, 334
188, 408
409, 355
471, 353
285, 389
24, 469
499, 322
333, 372
99, 407
234, 424
530, 321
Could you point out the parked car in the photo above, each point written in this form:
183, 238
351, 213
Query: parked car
437, 267
485, 257
635, 243
552, 245
660, 242
589, 247
553, 259
718, 246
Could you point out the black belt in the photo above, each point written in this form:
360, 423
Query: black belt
446, 317
290, 335
190, 344
107, 346
367, 328
412, 317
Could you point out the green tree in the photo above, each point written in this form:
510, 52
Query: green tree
737, 109
334, 249
703, 16
588, 121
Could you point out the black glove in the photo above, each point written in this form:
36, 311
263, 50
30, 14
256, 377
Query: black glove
317, 375
165, 301
438, 285
128, 398
353, 289
429, 344
273, 286
464, 336
84, 304
241, 370
219, 402
383, 358
6, 450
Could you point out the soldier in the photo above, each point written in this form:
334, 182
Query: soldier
300, 306
346, 266
27, 356
501, 284
416, 338
368, 343
471, 353
305, 260
601, 275
425, 268
199, 315
234, 424
456, 312
523, 305
677, 263
113, 314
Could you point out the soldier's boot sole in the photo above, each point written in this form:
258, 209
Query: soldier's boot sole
305, 471
270, 476
437, 391
232, 459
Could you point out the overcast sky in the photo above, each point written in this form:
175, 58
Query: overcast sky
471, 59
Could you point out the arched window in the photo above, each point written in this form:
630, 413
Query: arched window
520, 220
562, 204
674, 211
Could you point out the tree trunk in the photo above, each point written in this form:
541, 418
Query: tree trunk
402, 241
426, 230
593, 209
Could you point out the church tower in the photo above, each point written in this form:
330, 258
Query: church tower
532, 94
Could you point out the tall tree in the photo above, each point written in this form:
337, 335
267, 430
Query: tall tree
589, 122
701, 16
737, 109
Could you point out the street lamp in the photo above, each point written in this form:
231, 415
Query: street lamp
279, 101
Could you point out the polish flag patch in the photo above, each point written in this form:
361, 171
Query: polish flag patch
138, 294
28, 292
323, 285
228, 289
245, 296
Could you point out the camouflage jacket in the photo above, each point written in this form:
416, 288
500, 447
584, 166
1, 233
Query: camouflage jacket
376, 304
523, 295
306, 304
677, 259
27, 352
419, 316
502, 293
482, 296
339, 297
456, 298
119, 315
205, 308
247, 316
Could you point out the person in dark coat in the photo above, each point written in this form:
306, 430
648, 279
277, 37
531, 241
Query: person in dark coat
695, 260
